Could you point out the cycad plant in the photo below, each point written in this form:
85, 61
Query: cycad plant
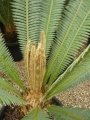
51, 37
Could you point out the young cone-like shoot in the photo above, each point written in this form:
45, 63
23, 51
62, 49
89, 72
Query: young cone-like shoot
35, 61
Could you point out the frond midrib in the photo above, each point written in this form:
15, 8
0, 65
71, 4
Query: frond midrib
49, 17
27, 18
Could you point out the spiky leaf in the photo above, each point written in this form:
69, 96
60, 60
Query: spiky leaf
77, 72
26, 14
71, 37
7, 65
6, 85
51, 14
69, 113
7, 99
37, 114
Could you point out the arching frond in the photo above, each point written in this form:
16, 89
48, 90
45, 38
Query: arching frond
37, 114
71, 36
51, 14
62, 113
78, 71
7, 99
7, 65
6, 85
26, 14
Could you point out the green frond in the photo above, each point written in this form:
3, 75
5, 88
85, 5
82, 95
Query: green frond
51, 14
26, 15
62, 113
7, 99
71, 37
6, 85
37, 114
77, 72
7, 65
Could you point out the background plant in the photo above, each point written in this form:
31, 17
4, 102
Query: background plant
8, 27
50, 42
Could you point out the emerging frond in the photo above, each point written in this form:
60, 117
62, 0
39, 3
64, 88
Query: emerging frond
69, 113
71, 37
35, 62
26, 14
51, 14
37, 114
77, 72
7, 65
7, 99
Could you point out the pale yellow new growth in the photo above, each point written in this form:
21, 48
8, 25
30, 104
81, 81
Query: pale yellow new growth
35, 61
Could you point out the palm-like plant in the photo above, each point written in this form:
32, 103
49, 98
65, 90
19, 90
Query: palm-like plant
50, 42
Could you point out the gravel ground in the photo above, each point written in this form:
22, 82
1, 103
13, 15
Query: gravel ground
76, 97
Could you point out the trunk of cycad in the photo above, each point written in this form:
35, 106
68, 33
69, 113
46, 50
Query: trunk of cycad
35, 61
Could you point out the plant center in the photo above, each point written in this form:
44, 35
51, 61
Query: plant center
35, 61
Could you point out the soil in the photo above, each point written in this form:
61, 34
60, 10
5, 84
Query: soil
13, 113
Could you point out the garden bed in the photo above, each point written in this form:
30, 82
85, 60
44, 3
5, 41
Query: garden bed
13, 113
77, 97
